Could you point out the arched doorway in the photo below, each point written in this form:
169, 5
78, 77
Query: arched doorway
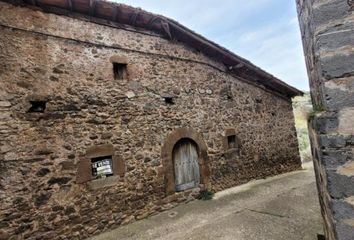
186, 167
167, 154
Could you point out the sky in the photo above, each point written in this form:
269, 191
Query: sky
265, 32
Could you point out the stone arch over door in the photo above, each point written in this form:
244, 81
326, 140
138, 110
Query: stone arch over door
167, 156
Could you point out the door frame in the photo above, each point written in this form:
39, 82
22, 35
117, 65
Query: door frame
167, 157
186, 185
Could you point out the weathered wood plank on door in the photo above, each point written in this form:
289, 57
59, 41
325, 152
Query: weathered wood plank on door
186, 166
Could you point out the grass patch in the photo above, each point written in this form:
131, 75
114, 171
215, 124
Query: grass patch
205, 195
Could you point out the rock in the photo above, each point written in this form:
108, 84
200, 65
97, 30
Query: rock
139, 156
142, 216
42, 172
10, 156
155, 163
23, 227
93, 136
67, 146
176, 91
103, 115
57, 208
59, 180
4, 235
58, 69
118, 216
91, 230
69, 210
106, 135
43, 151
5, 149
135, 86
147, 159
4, 115
53, 78
5, 104
42, 199
75, 218
130, 94
128, 220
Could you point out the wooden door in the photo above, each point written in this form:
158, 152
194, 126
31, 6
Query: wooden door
185, 158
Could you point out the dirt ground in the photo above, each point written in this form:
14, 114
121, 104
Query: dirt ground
282, 207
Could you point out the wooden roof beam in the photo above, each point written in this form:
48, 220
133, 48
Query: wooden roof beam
70, 5
92, 7
32, 2
115, 13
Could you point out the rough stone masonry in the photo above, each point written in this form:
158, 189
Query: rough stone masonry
328, 38
91, 111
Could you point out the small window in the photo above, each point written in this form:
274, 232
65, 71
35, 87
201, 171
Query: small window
37, 106
120, 71
231, 140
102, 167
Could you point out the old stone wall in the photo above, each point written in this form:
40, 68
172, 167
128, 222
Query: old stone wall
328, 37
66, 63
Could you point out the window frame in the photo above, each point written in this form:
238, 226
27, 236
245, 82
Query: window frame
84, 171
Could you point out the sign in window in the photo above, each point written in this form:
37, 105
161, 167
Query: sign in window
102, 166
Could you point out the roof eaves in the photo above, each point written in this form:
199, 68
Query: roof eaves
140, 18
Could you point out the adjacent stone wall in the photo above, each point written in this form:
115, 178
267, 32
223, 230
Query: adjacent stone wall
328, 37
67, 63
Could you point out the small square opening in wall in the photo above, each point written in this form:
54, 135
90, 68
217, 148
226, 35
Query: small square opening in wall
231, 141
169, 100
320, 237
102, 167
120, 71
37, 106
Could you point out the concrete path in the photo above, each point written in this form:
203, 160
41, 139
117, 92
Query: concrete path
283, 207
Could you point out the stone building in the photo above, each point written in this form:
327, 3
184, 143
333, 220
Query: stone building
109, 114
328, 38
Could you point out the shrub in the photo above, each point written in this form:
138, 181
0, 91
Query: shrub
205, 195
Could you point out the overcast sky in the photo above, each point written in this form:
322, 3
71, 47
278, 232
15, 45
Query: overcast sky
265, 32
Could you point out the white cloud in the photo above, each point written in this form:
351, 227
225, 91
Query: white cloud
253, 29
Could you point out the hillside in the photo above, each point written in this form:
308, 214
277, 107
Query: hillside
302, 108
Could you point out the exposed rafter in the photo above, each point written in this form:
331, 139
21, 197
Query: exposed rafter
70, 5
133, 17
93, 4
115, 14
33, 2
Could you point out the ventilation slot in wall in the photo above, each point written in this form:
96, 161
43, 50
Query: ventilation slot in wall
231, 140
37, 106
169, 98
